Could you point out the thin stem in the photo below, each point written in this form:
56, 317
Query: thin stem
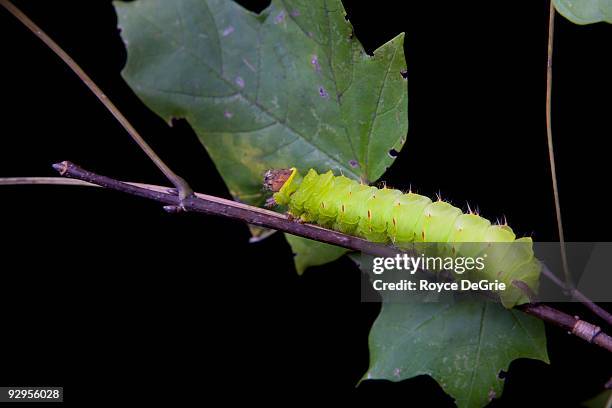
269, 219
63, 181
176, 180
57, 181
551, 152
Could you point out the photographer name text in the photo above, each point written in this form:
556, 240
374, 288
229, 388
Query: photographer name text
412, 264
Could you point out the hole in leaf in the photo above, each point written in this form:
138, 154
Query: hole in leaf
256, 6
393, 153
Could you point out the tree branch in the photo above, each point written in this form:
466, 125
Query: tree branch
579, 296
257, 216
580, 328
575, 293
227, 208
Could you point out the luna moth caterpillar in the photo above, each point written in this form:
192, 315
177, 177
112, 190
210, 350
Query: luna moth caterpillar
402, 219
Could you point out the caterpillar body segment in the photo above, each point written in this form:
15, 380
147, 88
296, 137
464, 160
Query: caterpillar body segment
406, 220
406, 212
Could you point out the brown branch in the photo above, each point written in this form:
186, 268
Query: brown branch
580, 328
227, 208
575, 293
579, 296
269, 219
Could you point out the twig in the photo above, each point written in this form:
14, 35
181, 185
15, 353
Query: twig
269, 219
63, 181
579, 296
227, 208
19, 181
580, 328
551, 152
575, 293
176, 180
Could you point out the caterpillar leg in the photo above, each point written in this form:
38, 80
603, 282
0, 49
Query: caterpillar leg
270, 203
291, 217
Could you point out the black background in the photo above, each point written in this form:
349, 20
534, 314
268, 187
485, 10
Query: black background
112, 298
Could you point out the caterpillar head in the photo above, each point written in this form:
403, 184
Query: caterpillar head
275, 179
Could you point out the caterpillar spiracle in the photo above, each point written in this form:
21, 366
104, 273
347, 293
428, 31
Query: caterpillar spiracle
392, 217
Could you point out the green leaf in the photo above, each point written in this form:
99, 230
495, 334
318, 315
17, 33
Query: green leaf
585, 11
312, 253
462, 345
289, 87
603, 400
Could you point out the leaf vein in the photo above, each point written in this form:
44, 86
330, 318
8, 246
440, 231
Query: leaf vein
369, 137
256, 104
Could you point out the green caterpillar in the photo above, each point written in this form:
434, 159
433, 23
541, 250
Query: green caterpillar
390, 216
